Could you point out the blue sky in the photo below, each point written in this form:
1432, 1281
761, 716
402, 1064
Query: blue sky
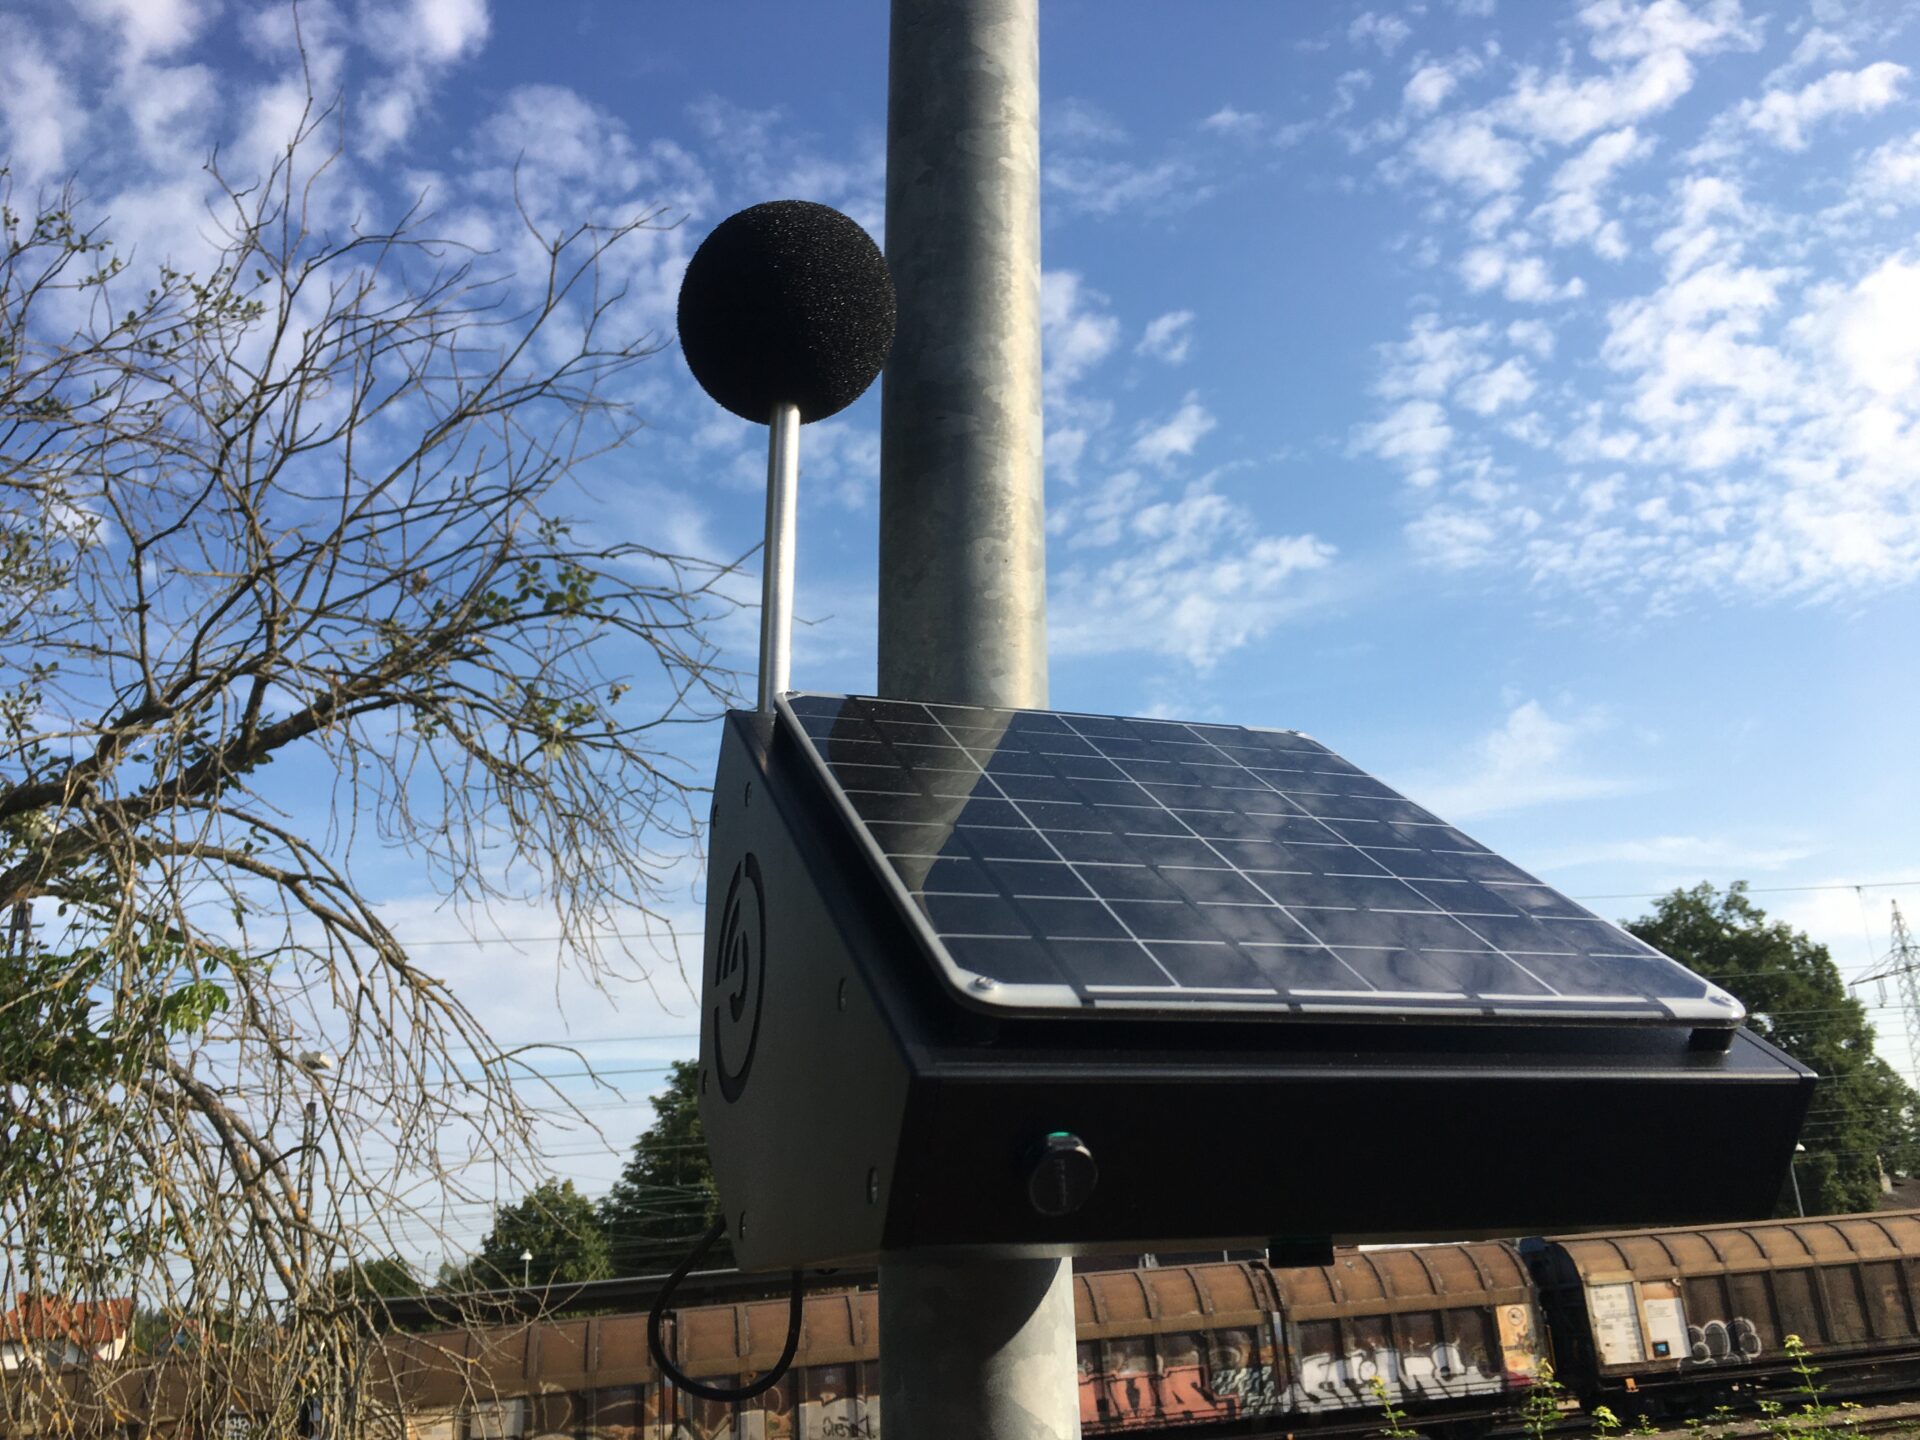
1524, 399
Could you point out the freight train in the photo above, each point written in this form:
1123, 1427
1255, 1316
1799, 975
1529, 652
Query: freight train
1656, 1322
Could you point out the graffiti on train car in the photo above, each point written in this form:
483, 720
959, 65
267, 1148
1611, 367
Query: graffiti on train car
1250, 1389
1328, 1381
1195, 1376
1718, 1342
847, 1417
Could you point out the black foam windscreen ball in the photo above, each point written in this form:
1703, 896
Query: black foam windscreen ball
786, 303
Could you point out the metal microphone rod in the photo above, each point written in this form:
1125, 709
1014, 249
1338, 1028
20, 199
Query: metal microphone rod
776, 580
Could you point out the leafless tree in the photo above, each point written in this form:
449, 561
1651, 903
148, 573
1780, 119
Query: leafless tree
284, 591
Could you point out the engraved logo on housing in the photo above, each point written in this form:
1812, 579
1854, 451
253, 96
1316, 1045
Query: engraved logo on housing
740, 978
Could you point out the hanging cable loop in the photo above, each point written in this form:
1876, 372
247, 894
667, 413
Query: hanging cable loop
699, 1387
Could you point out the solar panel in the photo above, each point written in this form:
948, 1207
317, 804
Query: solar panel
1055, 861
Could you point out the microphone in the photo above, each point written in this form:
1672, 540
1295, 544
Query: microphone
786, 316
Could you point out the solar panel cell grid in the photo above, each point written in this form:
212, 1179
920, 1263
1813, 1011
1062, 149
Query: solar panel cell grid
1080, 860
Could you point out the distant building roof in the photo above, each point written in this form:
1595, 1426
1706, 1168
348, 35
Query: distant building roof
1902, 1194
89, 1324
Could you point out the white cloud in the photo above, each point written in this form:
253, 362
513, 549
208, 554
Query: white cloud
1465, 151
1080, 122
1347, 90
1092, 185
1594, 167
1100, 519
757, 153
1691, 343
436, 32
172, 110
1087, 167
1561, 109
1762, 439
1783, 116
1195, 579
1873, 329
316, 35
573, 157
1535, 336
1076, 331
1892, 172
388, 112
1434, 82
1176, 436
1522, 278
1228, 121
1388, 32
1451, 539
1625, 29
418, 40
558, 138
1573, 213
41, 119
1168, 337
148, 27
1492, 218
1817, 47
1527, 761
170, 220
1431, 359
1647, 51
1695, 237
1416, 434
1509, 383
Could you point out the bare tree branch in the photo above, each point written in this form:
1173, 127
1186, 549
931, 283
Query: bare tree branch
283, 585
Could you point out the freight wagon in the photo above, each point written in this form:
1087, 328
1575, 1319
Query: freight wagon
1451, 1331
1669, 1322
1660, 1322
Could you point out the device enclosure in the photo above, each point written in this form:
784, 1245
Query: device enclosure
854, 1104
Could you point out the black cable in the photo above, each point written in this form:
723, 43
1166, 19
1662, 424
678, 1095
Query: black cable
697, 1387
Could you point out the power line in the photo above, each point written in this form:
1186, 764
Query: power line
1766, 889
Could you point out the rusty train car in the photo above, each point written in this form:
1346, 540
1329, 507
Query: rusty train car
1659, 1322
1669, 1322
1450, 1331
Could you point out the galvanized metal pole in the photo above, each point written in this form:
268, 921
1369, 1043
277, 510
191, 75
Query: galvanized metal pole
962, 516
976, 1349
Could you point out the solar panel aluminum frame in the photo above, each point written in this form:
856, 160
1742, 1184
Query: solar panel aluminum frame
1712, 1018
855, 1105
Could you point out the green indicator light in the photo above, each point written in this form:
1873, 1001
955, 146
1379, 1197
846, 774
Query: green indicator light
1059, 1135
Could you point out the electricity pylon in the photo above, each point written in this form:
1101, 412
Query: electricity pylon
1901, 964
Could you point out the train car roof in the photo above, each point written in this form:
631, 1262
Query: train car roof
1415, 1277
1741, 1245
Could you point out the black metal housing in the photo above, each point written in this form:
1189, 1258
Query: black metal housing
852, 1105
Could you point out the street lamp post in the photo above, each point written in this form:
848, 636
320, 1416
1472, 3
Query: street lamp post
1794, 1175
526, 1269
315, 1063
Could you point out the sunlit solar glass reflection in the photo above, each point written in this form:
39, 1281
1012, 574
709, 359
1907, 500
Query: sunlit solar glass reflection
1060, 860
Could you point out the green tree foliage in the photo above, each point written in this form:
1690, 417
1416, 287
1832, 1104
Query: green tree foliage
665, 1196
1863, 1113
385, 1279
561, 1229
